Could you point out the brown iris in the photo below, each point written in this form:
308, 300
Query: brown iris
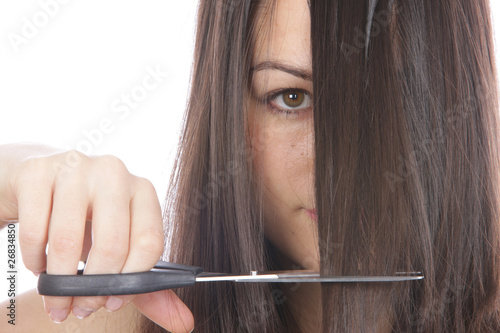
293, 98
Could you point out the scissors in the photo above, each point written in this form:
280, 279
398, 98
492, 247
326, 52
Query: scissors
167, 275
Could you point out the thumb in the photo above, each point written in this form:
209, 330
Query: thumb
167, 310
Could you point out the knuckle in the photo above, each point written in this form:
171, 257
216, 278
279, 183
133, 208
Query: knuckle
71, 158
145, 187
74, 157
29, 167
112, 163
150, 244
30, 171
30, 239
65, 244
112, 170
145, 184
70, 163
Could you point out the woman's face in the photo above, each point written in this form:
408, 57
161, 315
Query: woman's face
282, 131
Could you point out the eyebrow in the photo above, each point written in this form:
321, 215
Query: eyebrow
296, 71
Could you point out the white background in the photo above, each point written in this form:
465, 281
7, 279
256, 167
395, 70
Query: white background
72, 71
67, 78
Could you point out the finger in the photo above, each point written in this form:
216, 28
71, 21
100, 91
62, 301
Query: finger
66, 229
110, 234
34, 200
146, 236
167, 310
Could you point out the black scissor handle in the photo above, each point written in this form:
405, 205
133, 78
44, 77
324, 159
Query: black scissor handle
175, 276
168, 265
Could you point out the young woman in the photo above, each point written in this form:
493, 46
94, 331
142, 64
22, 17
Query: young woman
354, 137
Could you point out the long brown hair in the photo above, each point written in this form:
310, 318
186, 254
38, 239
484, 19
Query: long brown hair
406, 153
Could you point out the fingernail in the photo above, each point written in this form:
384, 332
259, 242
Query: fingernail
113, 304
44, 305
81, 313
58, 316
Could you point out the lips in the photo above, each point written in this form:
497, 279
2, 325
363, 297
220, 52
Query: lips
312, 214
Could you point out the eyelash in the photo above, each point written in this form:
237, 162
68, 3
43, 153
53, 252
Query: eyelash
272, 96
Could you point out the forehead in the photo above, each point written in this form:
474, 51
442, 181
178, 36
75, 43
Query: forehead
283, 33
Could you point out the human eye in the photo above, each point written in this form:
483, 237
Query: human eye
290, 101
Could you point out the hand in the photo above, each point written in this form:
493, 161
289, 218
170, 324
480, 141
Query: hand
56, 196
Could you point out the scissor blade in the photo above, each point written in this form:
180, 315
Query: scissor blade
308, 276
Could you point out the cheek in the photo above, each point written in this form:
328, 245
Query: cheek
284, 160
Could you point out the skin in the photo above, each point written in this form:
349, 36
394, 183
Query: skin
285, 153
125, 211
52, 194
285, 150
